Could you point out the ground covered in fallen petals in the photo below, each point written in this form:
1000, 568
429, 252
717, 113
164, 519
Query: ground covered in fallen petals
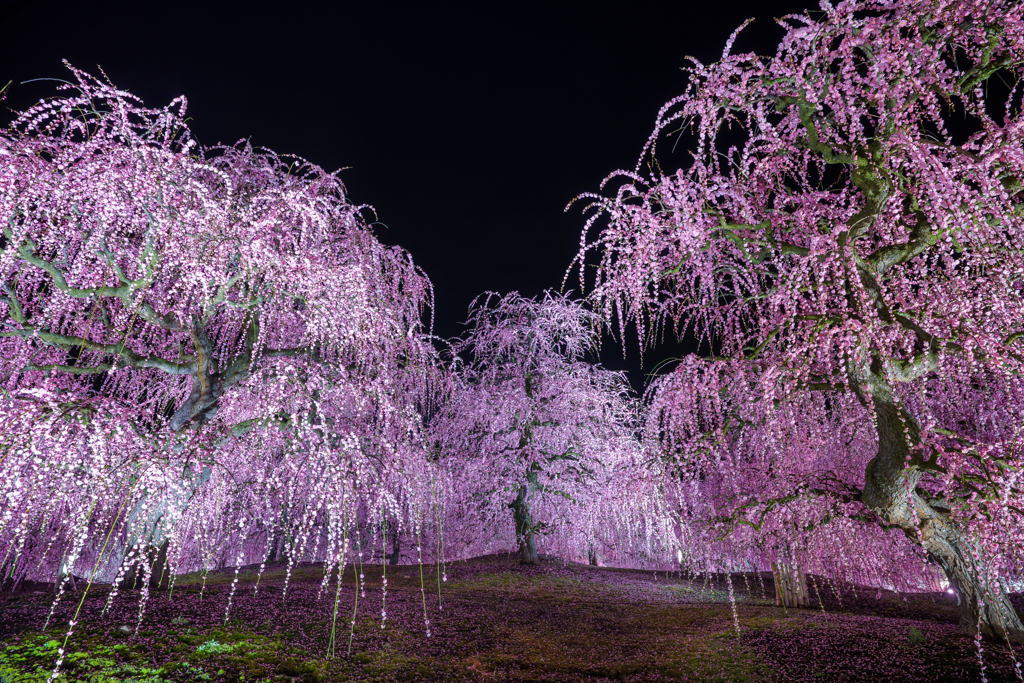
494, 621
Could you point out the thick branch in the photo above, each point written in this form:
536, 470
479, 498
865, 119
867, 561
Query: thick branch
131, 358
145, 311
921, 238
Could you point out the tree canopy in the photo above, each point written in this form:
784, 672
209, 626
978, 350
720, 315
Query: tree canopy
846, 242
201, 347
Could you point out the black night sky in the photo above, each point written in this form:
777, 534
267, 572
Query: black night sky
468, 128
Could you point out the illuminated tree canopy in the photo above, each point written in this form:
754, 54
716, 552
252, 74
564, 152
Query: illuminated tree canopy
846, 241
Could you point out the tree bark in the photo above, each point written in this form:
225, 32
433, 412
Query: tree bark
790, 585
207, 384
889, 476
524, 527
205, 387
999, 621
159, 576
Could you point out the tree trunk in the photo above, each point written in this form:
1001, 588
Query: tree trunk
159, 576
999, 621
889, 475
65, 571
524, 528
396, 552
790, 585
279, 548
396, 547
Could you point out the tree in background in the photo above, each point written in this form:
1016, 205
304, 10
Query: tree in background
537, 429
205, 349
846, 243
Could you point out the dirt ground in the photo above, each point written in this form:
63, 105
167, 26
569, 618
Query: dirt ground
491, 620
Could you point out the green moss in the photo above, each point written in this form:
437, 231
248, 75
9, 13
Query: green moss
212, 647
86, 670
386, 662
309, 672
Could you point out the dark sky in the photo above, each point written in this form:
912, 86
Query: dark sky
469, 128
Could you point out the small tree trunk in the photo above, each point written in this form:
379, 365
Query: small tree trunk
524, 528
396, 547
790, 585
277, 549
592, 556
159, 576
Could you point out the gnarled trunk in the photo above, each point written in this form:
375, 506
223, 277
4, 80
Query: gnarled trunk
524, 527
999, 621
888, 478
207, 384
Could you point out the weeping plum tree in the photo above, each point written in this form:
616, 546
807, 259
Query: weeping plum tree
847, 243
534, 427
203, 348
766, 475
